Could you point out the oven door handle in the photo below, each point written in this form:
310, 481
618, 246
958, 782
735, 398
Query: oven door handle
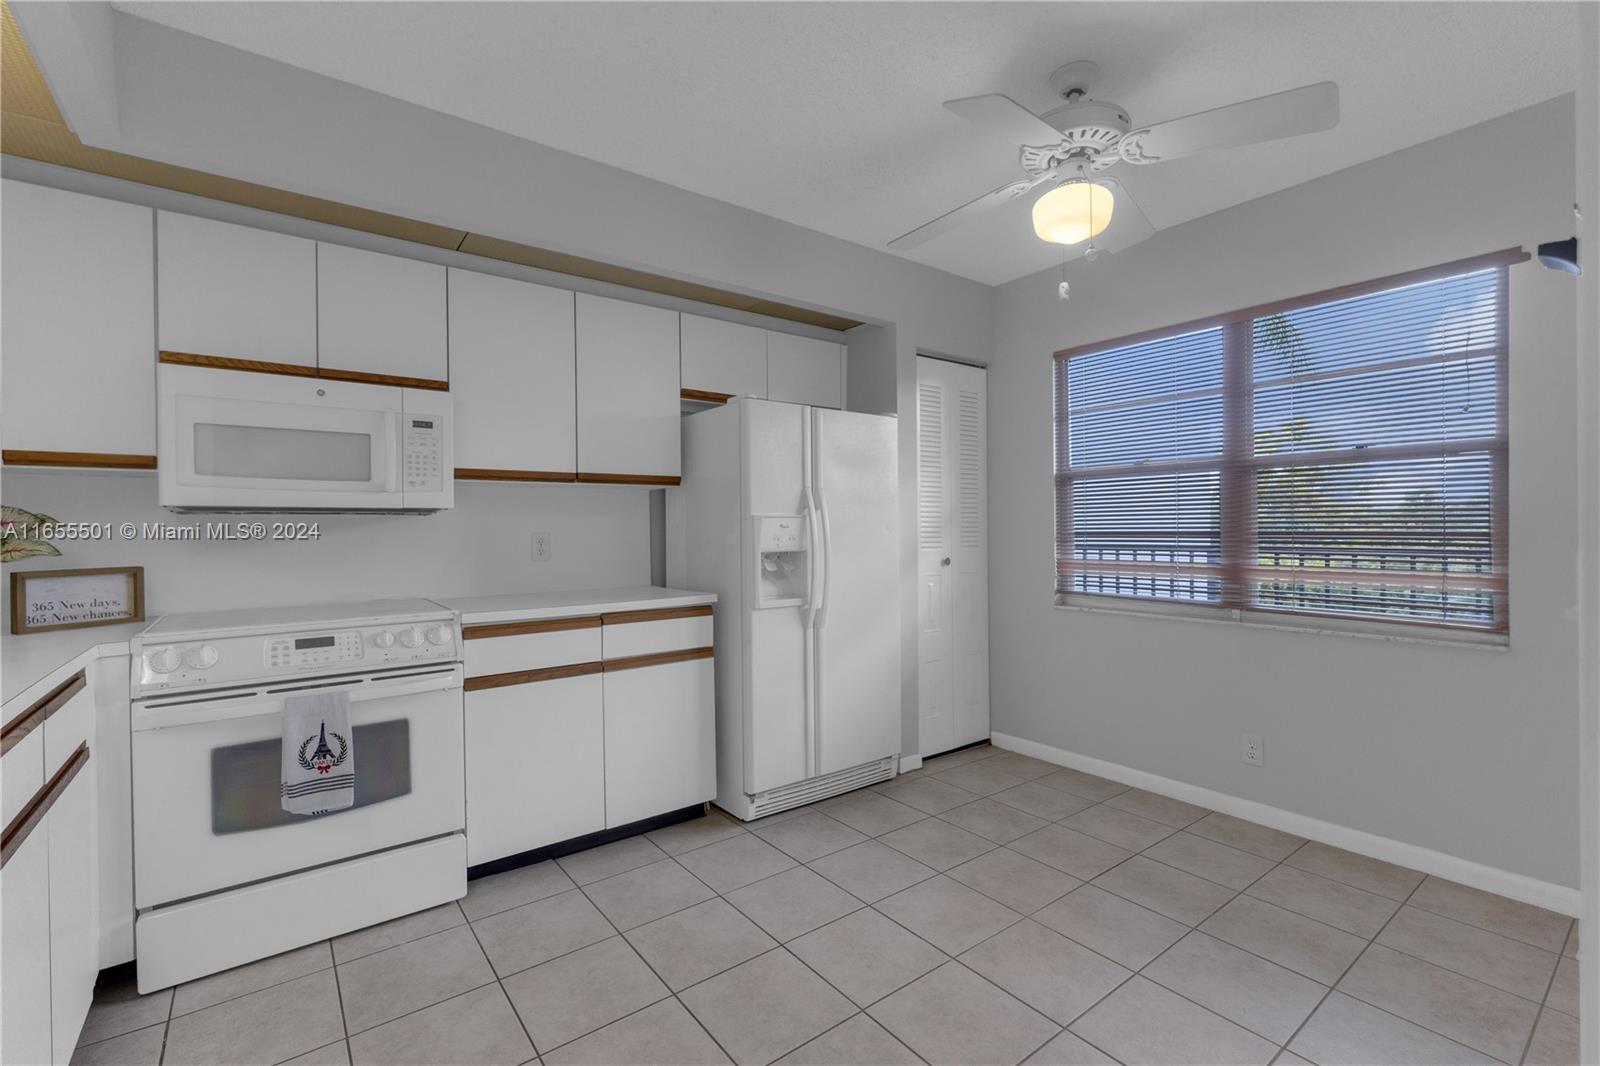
174, 712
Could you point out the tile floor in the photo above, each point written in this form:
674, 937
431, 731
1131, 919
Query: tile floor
989, 908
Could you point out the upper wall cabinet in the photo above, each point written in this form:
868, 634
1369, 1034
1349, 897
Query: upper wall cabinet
512, 375
77, 329
235, 292
380, 315
804, 370
723, 358
628, 403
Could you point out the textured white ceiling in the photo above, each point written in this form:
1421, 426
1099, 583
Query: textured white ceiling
827, 114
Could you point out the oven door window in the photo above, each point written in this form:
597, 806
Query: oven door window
246, 788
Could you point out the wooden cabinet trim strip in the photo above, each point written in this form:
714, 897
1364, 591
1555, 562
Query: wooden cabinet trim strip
297, 370
103, 460
525, 677
383, 379
705, 395
33, 813
589, 477
657, 658
35, 716
478, 473
537, 625
659, 614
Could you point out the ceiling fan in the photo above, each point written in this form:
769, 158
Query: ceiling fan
1068, 149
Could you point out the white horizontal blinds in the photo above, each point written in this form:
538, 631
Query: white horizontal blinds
930, 466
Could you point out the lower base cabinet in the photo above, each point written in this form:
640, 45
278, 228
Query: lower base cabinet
660, 739
25, 953
74, 912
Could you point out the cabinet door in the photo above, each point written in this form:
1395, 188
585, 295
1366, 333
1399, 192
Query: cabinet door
724, 357
380, 314
236, 292
25, 951
805, 370
74, 910
535, 765
512, 376
78, 323
660, 739
628, 404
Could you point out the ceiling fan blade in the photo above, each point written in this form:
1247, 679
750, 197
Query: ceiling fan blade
951, 219
1307, 109
1001, 115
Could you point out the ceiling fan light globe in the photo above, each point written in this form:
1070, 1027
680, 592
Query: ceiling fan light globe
1073, 213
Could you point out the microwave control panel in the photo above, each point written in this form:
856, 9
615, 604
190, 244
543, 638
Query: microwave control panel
423, 453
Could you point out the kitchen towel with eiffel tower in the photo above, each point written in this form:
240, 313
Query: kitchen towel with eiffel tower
319, 758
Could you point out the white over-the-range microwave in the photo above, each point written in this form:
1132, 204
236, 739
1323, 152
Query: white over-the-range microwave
237, 441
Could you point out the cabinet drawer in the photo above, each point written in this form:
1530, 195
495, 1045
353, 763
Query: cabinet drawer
21, 775
646, 632
507, 647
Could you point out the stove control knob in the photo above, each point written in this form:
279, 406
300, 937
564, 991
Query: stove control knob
164, 660
202, 657
384, 639
439, 634
411, 637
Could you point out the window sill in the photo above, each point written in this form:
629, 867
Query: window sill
1255, 620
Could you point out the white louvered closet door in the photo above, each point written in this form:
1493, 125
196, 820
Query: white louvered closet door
952, 555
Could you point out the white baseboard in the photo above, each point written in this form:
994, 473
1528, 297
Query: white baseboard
1516, 886
909, 763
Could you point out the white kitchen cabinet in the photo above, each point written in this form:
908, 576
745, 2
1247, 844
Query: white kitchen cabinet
660, 741
804, 370
513, 377
25, 1029
77, 327
74, 911
536, 765
380, 315
628, 391
235, 292
727, 358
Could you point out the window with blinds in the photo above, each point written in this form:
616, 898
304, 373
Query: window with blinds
1342, 455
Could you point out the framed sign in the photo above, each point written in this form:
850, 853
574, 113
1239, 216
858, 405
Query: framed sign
42, 600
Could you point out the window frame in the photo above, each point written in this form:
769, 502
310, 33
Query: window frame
1236, 466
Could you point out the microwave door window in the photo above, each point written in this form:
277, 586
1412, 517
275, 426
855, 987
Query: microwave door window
303, 455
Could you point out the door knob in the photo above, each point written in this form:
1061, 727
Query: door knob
945, 561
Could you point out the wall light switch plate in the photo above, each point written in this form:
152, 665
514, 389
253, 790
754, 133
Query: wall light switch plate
541, 547
1252, 749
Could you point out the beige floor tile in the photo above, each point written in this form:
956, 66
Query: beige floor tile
1289, 1058
399, 931
1342, 906
647, 893
501, 892
872, 813
857, 1042
736, 862
1247, 836
1079, 783
537, 932
1165, 890
810, 836
1509, 965
142, 1047
1070, 851
616, 857
695, 833
1055, 976
1250, 991
1302, 944
998, 822
1571, 950
1158, 808
1142, 1022
926, 795
334, 1054
1069, 1050
662, 1035
937, 843
793, 902
979, 777
478, 1027
954, 1016
563, 999
1347, 1032
866, 956
1024, 766
1519, 921
1564, 989
694, 944
947, 914
1042, 801
871, 871
1117, 929
1373, 875
1118, 827
1021, 883
377, 988
1210, 860
767, 1007
119, 1008
268, 1026
1467, 1011
1555, 1041
251, 977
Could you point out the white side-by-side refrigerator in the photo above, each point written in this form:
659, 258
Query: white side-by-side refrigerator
789, 514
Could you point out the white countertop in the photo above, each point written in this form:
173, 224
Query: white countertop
530, 605
28, 659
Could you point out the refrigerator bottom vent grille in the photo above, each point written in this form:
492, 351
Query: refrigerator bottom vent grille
818, 788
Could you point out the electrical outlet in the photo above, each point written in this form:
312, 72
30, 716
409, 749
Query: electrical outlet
541, 547
1252, 749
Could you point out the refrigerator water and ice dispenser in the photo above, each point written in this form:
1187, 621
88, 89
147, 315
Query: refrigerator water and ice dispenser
781, 560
